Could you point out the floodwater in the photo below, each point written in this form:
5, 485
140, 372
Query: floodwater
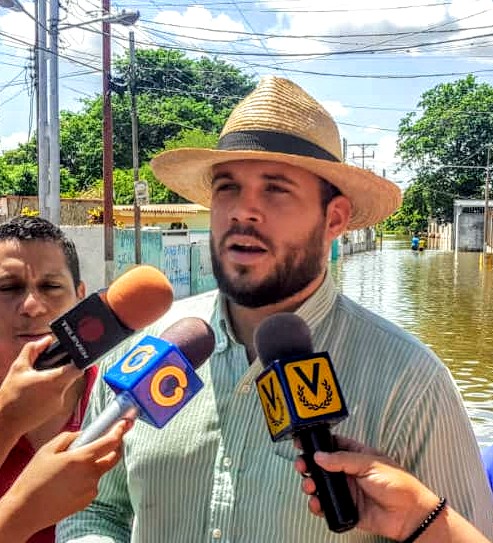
445, 299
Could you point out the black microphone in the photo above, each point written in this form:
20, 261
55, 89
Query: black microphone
301, 398
102, 320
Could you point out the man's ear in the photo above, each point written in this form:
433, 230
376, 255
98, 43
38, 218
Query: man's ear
81, 291
338, 216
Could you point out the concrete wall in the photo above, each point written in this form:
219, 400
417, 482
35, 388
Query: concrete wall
72, 210
186, 264
358, 241
90, 248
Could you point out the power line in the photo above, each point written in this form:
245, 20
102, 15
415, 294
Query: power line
317, 36
220, 6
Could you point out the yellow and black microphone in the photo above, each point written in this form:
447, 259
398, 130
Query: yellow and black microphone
301, 397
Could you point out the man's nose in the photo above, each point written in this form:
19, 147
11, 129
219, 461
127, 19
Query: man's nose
246, 208
33, 304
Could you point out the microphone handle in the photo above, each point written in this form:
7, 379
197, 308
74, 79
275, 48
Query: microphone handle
53, 357
332, 487
122, 407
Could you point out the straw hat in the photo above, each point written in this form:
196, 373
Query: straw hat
279, 121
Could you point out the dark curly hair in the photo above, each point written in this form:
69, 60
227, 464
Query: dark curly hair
25, 228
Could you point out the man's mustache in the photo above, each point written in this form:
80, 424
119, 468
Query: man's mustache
249, 230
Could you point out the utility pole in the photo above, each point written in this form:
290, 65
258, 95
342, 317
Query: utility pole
48, 134
109, 264
363, 146
135, 150
41, 78
486, 202
53, 196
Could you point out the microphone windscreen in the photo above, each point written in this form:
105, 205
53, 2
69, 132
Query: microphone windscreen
280, 336
194, 337
140, 296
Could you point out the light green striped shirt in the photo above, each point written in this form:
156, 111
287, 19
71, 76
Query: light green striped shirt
213, 474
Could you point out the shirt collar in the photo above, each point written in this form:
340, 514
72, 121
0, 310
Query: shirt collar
316, 307
221, 324
312, 311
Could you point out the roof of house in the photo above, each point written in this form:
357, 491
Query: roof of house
164, 209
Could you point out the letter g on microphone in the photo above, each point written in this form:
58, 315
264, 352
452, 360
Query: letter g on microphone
157, 375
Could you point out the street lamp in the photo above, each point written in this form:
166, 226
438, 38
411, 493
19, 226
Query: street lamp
13, 5
124, 17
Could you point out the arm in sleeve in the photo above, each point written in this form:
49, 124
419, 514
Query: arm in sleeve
438, 445
109, 517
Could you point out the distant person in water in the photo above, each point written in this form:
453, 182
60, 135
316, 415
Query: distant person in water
415, 242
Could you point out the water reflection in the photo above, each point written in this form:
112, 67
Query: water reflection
445, 299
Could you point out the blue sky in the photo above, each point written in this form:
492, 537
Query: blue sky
367, 62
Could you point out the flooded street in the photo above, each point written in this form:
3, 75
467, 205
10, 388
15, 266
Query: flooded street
445, 299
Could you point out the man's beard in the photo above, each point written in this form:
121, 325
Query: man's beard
303, 263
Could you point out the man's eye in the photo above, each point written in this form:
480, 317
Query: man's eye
50, 286
225, 187
277, 188
10, 288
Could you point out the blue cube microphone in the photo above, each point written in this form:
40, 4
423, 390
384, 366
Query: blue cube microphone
301, 397
156, 378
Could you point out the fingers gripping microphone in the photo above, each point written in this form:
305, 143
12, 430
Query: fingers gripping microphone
102, 320
301, 397
156, 378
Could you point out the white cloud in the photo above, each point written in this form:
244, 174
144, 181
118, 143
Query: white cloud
340, 19
372, 129
189, 26
335, 108
80, 44
19, 27
386, 150
12, 141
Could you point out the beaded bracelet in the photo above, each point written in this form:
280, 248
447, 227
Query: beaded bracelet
427, 521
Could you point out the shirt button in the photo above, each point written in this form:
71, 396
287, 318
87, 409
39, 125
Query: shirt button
227, 462
245, 389
216, 533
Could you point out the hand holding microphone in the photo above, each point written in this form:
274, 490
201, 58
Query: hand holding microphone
156, 378
102, 320
301, 397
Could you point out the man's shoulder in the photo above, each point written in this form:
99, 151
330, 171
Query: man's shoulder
375, 329
200, 305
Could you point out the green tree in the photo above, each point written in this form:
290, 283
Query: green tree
180, 101
123, 179
171, 73
445, 144
174, 94
22, 179
81, 144
413, 213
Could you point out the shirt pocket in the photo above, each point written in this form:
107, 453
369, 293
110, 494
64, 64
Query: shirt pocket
286, 449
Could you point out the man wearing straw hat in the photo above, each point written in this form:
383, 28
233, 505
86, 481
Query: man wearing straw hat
279, 195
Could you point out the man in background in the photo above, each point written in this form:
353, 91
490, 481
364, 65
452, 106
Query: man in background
39, 281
